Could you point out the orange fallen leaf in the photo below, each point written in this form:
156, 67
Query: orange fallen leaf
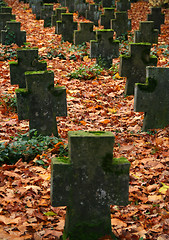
105, 121
118, 222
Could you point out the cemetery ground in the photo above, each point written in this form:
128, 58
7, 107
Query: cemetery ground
96, 101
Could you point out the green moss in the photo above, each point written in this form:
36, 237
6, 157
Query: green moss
90, 133
97, 132
105, 30
27, 48
13, 63
47, 4
149, 86
109, 8
37, 72
120, 160
21, 90
65, 160
142, 43
69, 14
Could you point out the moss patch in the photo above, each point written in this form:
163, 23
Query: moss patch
149, 86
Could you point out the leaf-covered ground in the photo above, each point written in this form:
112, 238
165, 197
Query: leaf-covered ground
95, 104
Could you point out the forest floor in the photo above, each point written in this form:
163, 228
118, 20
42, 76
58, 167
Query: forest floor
93, 104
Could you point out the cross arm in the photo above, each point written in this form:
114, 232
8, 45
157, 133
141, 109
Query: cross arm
22, 96
61, 181
117, 181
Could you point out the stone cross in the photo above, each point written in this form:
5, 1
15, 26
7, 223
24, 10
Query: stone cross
157, 16
36, 6
40, 102
123, 5
133, 66
85, 34
88, 183
93, 14
152, 98
4, 17
27, 61
66, 27
146, 33
106, 17
121, 24
13, 34
81, 6
104, 48
57, 15
46, 14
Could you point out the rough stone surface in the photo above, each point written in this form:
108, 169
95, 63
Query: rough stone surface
66, 27
88, 183
152, 98
123, 5
41, 102
36, 6
4, 17
105, 18
57, 15
93, 14
70, 5
121, 24
13, 34
108, 3
46, 14
81, 6
27, 61
85, 34
157, 17
6, 10
146, 33
104, 48
133, 66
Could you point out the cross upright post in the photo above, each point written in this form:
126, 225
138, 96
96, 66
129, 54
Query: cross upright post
66, 27
46, 14
93, 13
133, 66
40, 102
104, 48
27, 61
152, 98
123, 5
87, 183
57, 15
105, 18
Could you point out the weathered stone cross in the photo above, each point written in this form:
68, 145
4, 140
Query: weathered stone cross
88, 183
157, 17
27, 61
105, 48
133, 66
85, 33
41, 102
153, 98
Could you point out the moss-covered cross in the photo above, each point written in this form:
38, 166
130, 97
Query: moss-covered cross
146, 33
57, 15
157, 17
123, 5
121, 24
66, 27
13, 29
93, 13
153, 98
4, 17
133, 66
85, 33
41, 102
27, 61
104, 48
106, 17
87, 183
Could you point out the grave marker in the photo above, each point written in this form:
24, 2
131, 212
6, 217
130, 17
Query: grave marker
93, 14
4, 17
104, 48
57, 15
123, 5
81, 6
133, 66
153, 98
108, 3
70, 5
27, 61
13, 34
46, 14
36, 6
85, 34
88, 183
105, 18
66, 27
157, 17
6, 10
146, 33
40, 102
121, 24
